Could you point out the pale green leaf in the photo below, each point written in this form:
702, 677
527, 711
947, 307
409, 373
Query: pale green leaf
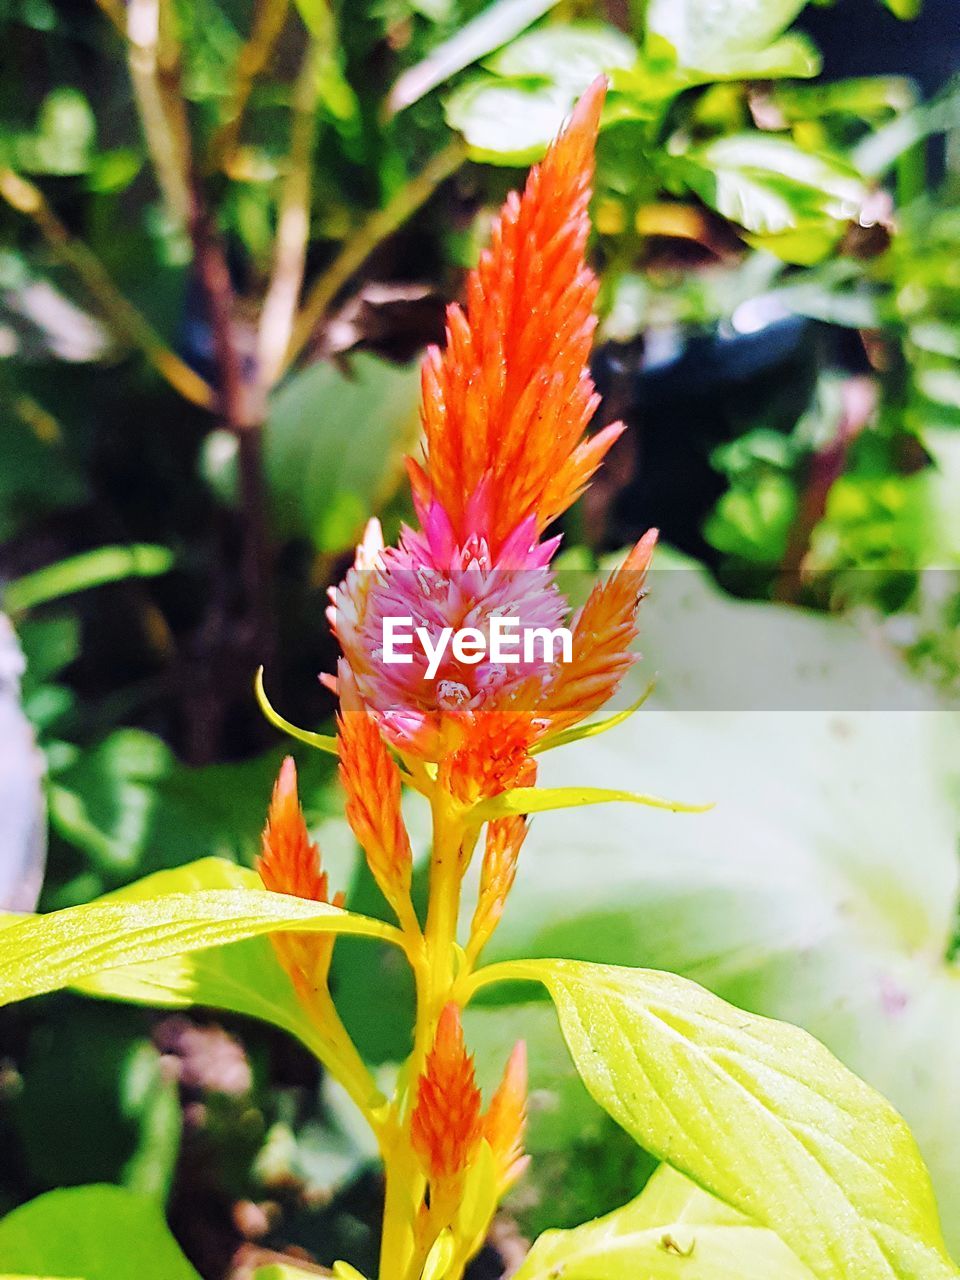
757, 1112
507, 123
96, 1232
715, 34
595, 728
64, 948
823, 886
243, 977
673, 1229
571, 54
493, 27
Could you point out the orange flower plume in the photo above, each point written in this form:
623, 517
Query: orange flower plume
506, 404
445, 1125
289, 862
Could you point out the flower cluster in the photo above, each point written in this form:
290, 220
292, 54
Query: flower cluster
506, 407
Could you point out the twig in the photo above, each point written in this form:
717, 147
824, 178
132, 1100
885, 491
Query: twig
115, 12
378, 226
270, 19
125, 320
153, 59
293, 225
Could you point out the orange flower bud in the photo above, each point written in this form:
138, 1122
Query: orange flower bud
445, 1126
371, 779
603, 632
504, 838
506, 1120
489, 755
289, 862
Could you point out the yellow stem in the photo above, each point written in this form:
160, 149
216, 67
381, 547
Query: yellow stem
269, 22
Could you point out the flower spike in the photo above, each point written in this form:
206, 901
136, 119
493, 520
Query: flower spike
371, 779
289, 862
445, 1127
603, 631
506, 1120
504, 838
507, 403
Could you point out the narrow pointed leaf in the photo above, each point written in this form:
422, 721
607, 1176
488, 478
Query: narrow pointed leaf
581, 731
757, 1112
321, 741
543, 799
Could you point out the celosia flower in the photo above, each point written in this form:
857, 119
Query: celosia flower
505, 410
445, 1125
290, 863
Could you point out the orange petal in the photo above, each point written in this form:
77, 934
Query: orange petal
603, 632
507, 403
445, 1125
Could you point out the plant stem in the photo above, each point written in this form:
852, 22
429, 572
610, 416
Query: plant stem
154, 61
124, 319
269, 22
378, 226
293, 225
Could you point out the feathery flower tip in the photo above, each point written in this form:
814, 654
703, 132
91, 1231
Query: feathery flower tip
445, 1127
289, 861
507, 403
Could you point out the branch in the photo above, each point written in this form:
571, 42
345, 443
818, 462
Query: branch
256, 53
379, 226
293, 225
154, 63
125, 320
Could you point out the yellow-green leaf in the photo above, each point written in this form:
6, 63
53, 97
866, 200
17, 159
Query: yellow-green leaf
70, 947
543, 799
97, 1232
673, 1229
757, 1112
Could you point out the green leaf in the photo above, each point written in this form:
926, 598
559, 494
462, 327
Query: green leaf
507, 123
64, 948
494, 26
242, 977
715, 34
757, 1112
672, 1229
794, 203
96, 1233
543, 799
570, 55
89, 569
595, 728
822, 889
333, 446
